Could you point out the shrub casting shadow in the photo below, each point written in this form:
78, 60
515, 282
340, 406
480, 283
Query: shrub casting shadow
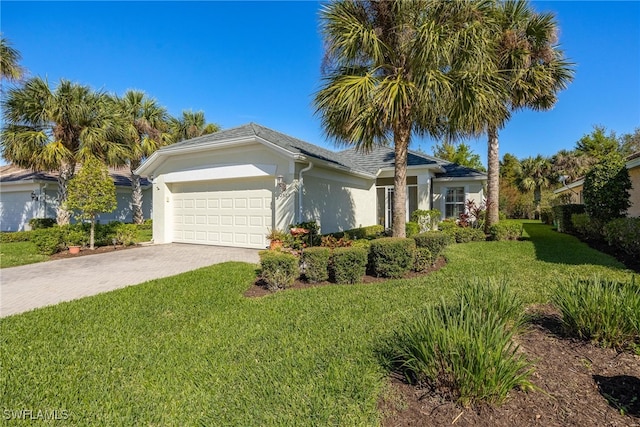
621, 392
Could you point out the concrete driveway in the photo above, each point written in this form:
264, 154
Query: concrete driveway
37, 285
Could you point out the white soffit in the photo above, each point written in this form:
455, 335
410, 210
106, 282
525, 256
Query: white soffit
221, 172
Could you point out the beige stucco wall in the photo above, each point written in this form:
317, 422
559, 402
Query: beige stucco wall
338, 201
634, 174
474, 190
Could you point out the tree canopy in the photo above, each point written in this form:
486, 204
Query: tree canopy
460, 153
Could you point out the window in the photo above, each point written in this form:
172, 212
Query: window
385, 203
454, 202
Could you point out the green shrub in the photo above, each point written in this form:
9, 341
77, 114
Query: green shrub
369, 232
464, 350
447, 224
586, 227
465, 234
392, 256
126, 234
39, 223
423, 260
146, 225
74, 236
427, 219
602, 311
606, 189
411, 229
435, 241
562, 215
506, 230
348, 265
316, 262
624, 234
15, 236
546, 215
279, 269
48, 240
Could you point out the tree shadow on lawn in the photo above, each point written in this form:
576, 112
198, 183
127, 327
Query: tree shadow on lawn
554, 247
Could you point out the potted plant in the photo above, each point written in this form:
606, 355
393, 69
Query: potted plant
74, 240
276, 238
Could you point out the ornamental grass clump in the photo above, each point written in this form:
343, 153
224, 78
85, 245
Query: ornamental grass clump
465, 351
279, 269
603, 311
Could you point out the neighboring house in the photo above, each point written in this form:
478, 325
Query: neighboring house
25, 194
574, 189
230, 187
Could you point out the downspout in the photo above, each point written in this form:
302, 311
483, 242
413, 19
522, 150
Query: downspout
300, 188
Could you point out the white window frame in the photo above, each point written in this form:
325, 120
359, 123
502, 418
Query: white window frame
445, 190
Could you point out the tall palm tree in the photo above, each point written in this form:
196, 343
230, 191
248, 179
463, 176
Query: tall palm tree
572, 164
190, 125
395, 69
145, 126
535, 174
9, 59
53, 130
534, 69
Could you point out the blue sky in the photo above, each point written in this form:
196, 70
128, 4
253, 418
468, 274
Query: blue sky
260, 62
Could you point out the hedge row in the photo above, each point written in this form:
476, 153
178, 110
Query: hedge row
624, 233
506, 230
562, 215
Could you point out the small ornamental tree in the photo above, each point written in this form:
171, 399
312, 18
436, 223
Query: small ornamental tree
606, 189
91, 192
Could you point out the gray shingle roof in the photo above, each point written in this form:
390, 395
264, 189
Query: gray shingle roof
13, 173
282, 140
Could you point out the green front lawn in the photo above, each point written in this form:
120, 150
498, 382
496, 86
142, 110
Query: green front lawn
191, 350
19, 253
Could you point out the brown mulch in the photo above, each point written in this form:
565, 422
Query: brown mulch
259, 288
87, 251
579, 384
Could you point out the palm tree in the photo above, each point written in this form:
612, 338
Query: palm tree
54, 130
9, 58
534, 174
572, 164
534, 69
394, 69
145, 129
190, 125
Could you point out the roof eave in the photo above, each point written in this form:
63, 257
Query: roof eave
461, 178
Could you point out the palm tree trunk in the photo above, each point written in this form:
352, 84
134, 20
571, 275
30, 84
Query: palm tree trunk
493, 178
537, 198
136, 195
63, 216
401, 138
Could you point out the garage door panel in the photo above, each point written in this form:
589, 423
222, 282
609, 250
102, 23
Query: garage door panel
227, 214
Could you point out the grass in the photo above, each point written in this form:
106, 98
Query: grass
19, 253
190, 349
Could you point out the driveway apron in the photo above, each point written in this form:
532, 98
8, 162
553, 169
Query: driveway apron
37, 285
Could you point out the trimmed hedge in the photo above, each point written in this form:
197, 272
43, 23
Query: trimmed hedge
126, 234
348, 265
15, 236
435, 241
465, 234
279, 269
48, 240
584, 225
369, 232
39, 223
411, 229
424, 260
624, 233
392, 256
562, 215
316, 264
506, 230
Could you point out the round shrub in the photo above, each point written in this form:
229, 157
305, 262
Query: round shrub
412, 228
279, 269
316, 262
48, 240
506, 230
624, 233
348, 265
435, 241
466, 234
424, 260
392, 256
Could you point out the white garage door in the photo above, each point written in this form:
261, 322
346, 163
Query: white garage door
225, 213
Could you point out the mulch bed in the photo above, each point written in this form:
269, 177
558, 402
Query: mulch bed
87, 251
579, 384
259, 288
